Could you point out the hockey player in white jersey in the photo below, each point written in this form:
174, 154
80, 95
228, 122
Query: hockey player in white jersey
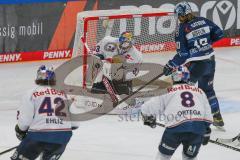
43, 125
120, 50
187, 116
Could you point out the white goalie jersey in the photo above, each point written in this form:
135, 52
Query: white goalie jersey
108, 47
180, 104
44, 109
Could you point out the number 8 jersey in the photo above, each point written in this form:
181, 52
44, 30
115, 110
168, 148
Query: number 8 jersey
44, 109
182, 103
194, 40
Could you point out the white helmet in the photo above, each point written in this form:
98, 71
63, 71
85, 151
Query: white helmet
181, 74
182, 9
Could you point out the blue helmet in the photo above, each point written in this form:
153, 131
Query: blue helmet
182, 9
45, 74
181, 74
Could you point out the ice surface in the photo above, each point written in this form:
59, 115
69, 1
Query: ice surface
111, 138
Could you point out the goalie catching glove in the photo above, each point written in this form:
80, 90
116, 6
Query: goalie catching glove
118, 59
114, 59
149, 120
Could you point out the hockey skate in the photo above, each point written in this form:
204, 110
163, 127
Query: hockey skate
218, 121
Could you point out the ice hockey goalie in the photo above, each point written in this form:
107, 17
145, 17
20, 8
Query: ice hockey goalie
120, 63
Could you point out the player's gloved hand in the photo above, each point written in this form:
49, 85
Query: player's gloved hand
206, 136
167, 70
19, 133
149, 120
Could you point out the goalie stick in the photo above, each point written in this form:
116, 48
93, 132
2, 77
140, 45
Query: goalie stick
8, 150
212, 141
139, 89
133, 93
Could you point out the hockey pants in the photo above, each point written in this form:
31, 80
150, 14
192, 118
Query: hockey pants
203, 73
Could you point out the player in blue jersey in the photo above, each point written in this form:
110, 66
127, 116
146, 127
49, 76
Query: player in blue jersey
194, 39
43, 124
187, 116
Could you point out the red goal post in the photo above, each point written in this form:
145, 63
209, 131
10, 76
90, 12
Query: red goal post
153, 31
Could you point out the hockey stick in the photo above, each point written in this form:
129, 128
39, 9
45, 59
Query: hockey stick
212, 141
228, 140
114, 97
139, 89
225, 145
8, 150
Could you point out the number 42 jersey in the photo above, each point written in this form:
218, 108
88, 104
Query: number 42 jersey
194, 40
44, 109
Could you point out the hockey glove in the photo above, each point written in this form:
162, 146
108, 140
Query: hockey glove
19, 133
167, 70
118, 59
149, 120
206, 136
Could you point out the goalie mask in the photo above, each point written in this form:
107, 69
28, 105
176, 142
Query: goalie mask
125, 42
45, 76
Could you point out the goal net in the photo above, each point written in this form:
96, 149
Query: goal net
153, 31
